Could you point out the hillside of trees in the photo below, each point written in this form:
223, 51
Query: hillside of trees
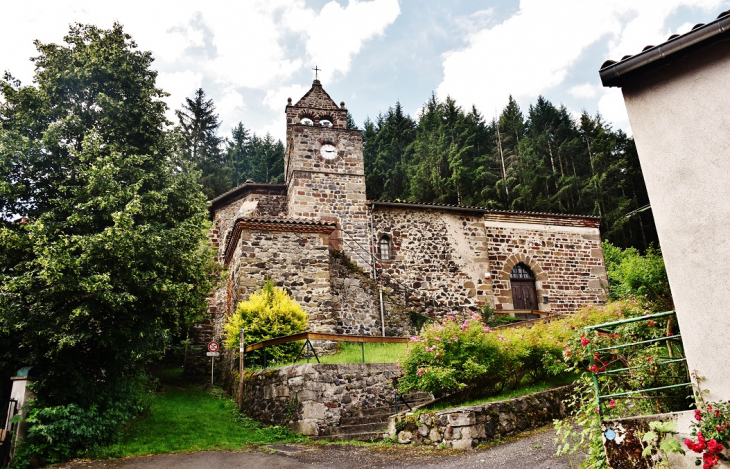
540, 161
543, 160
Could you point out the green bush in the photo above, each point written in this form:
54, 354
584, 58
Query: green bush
268, 313
471, 358
632, 275
60, 432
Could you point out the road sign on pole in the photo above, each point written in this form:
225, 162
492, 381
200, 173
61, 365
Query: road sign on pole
212, 353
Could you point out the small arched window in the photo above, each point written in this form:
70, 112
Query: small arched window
384, 248
521, 272
307, 121
325, 123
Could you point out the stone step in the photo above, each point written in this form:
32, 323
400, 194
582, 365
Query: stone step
370, 418
346, 430
385, 411
364, 436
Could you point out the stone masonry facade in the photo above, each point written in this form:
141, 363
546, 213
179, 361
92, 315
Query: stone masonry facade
328, 188
318, 237
442, 260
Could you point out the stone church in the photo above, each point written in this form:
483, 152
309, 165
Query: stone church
361, 266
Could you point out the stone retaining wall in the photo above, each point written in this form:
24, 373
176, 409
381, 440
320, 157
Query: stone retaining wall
467, 427
309, 398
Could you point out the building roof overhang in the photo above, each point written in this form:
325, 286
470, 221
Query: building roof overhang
242, 190
652, 57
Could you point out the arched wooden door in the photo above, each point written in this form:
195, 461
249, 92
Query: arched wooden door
524, 294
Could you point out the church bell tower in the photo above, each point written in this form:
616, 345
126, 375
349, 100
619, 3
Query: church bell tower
325, 171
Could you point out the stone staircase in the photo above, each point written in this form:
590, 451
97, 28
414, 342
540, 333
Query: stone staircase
367, 424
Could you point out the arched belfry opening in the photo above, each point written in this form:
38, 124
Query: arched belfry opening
524, 293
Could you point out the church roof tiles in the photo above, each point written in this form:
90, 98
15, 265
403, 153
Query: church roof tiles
243, 189
467, 208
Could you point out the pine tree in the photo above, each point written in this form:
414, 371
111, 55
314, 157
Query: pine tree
201, 144
238, 154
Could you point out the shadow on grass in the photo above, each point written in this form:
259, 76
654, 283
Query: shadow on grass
185, 417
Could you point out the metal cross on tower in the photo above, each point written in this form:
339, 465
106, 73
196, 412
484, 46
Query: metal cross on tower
316, 72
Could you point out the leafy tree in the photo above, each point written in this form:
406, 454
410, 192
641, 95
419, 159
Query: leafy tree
266, 159
237, 154
109, 260
632, 274
268, 313
201, 144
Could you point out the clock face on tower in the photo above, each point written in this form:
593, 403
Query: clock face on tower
328, 152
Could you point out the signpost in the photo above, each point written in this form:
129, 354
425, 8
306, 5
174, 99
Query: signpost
240, 371
212, 353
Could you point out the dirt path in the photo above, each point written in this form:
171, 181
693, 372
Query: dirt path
535, 450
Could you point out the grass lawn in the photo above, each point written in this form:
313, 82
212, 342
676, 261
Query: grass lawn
520, 390
351, 352
185, 417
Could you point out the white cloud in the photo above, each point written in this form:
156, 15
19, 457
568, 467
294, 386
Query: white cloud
276, 98
223, 46
535, 49
613, 109
586, 90
335, 34
180, 85
230, 107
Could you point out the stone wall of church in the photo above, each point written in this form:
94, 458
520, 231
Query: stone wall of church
356, 302
444, 261
331, 190
258, 202
297, 262
564, 254
437, 260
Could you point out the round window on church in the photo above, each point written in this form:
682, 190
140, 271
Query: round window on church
325, 123
306, 121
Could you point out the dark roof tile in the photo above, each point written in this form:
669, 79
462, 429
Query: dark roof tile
248, 185
286, 221
467, 208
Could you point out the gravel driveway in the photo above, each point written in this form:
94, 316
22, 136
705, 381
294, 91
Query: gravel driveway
534, 450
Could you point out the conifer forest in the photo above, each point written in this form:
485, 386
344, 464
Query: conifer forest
540, 160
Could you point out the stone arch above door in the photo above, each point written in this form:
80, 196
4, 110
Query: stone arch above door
503, 284
518, 258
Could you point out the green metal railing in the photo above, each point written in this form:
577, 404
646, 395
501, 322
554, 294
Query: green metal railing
610, 328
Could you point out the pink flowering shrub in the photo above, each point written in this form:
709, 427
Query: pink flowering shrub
466, 356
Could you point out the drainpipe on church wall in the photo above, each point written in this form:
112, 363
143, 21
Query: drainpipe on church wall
375, 272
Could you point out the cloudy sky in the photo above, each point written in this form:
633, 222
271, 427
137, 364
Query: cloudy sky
250, 56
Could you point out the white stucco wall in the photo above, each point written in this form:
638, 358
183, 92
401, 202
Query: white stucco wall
680, 117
